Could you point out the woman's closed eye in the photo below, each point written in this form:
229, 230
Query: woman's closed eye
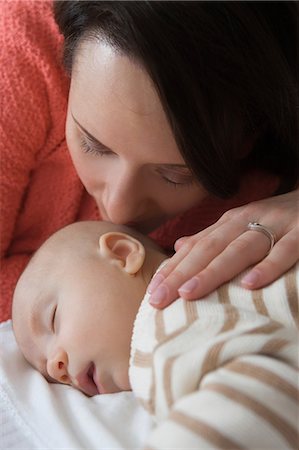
93, 148
176, 178
173, 178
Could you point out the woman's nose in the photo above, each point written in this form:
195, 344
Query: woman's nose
57, 367
124, 200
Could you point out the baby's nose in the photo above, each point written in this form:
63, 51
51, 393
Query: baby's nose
57, 367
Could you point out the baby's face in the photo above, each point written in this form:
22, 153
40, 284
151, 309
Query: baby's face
73, 318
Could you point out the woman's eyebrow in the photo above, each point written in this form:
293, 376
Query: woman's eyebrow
99, 143
91, 137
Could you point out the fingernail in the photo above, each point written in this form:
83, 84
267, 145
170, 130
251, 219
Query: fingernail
189, 286
157, 279
251, 278
159, 295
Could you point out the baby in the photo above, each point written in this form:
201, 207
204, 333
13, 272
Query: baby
220, 372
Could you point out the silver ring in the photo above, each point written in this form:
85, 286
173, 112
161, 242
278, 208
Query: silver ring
254, 226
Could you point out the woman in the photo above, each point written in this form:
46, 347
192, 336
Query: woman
177, 113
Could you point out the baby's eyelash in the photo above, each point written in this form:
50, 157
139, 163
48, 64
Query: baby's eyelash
53, 319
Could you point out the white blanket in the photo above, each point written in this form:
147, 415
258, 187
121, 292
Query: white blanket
37, 415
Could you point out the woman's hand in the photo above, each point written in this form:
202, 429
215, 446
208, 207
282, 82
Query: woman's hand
206, 260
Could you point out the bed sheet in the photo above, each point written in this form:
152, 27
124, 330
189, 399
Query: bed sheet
37, 415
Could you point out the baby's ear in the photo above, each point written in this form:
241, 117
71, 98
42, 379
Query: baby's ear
123, 250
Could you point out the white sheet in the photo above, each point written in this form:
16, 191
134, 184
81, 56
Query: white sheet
37, 415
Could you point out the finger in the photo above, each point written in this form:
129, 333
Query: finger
184, 239
192, 259
282, 257
166, 270
239, 254
216, 240
163, 289
180, 242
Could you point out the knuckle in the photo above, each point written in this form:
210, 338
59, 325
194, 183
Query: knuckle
269, 266
176, 277
209, 273
165, 271
240, 245
191, 241
232, 213
241, 213
228, 215
189, 244
248, 213
209, 243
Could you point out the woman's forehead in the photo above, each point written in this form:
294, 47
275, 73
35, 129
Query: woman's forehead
115, 101
102, 68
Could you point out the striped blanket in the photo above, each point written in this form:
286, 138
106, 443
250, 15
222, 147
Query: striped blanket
221, 372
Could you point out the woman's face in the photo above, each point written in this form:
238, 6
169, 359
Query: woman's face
121, 143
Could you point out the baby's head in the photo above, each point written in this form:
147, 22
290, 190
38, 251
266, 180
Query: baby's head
75, 304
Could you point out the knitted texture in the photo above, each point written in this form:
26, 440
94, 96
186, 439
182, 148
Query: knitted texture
40, 191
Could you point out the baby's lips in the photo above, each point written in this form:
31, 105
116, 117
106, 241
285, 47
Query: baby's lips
85, 381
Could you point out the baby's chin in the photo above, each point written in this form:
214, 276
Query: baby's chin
119, 382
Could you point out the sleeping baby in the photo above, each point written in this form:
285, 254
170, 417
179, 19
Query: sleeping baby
220, 372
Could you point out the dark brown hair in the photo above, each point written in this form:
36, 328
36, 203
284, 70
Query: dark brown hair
225, 72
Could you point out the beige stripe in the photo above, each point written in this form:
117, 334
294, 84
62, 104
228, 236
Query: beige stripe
269, 328
191, 316
160, 326
211, 358
273, 346
223, 293
146, 405
281, 426
265, 376
258, 300
167, 380
292, 294
142, 359
231, 318
190, 311
204, 430
153, 393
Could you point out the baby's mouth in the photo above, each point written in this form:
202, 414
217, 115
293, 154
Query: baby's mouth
85, 381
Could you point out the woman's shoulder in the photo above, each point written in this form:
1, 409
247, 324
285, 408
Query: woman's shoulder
28, 28
24, 15
32, 75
